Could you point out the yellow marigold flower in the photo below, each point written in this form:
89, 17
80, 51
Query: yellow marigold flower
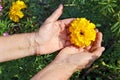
82, 32
15, 12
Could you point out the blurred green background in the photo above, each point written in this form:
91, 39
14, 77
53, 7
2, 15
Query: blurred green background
104, 13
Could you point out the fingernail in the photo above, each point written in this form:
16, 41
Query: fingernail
96, 30
60, 6
103, 48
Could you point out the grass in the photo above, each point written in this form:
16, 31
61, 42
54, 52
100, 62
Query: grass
104, 13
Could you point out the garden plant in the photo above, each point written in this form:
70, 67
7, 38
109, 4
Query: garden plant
105, 14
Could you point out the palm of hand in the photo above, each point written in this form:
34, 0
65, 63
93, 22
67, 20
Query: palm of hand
52, 34
78, 57
81, 57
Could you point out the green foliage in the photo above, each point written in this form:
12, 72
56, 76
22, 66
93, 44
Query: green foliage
3, 25
116, 28
104, 13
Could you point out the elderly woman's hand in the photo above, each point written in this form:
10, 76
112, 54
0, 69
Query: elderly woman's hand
52, 35
81, 57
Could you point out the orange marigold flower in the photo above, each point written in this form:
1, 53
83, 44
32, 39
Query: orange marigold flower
82, 32
15, 11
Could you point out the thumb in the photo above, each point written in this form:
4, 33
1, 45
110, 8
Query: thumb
56, 14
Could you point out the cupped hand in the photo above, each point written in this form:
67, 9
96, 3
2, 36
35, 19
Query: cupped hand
52, 34
81, 57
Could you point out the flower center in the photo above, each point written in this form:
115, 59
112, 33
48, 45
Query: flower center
81, 33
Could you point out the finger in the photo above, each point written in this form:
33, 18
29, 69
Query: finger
95, 55
97, 42
67, 29
88, 48
96, 30
68, 38
67, 43
63, 34
62, 43
98, 52
98, 39
56, 14
63, 24
67, 21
